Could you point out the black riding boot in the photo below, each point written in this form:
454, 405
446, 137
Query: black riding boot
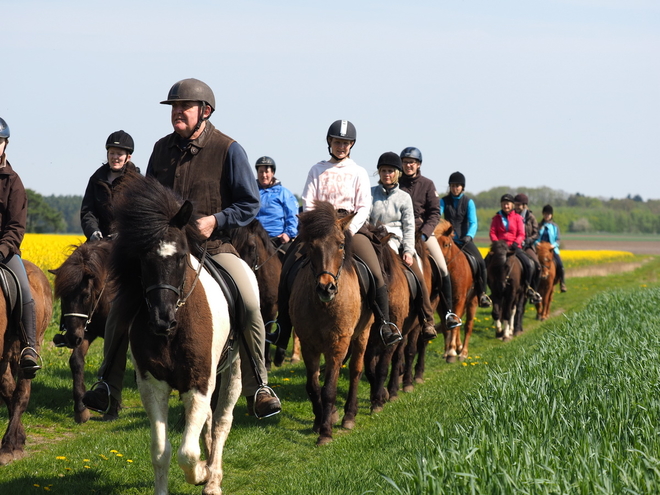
389, 333
29, 361
484, 300
451, 319
280, 337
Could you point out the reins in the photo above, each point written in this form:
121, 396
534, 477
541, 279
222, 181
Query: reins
91, 313
258, 266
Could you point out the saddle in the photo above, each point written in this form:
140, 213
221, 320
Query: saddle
12, 292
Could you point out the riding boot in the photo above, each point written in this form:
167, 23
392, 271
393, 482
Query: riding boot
562, 279
280, 337
452, 320
29, 361
382, 313
480, 283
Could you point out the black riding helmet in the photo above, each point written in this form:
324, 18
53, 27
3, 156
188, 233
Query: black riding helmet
120, 139
391, 159
412, 152
341, 129
4, 129
507, 197
192, 90
265, 161
457, 178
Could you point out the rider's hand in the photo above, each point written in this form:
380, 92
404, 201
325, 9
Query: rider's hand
407, 259
285, 237
466, 239
207, 225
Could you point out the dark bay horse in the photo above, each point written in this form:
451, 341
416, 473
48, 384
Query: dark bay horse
463, 294
81, 284
329, 314
548, 279
403, 314
505, 279
15, 388
179, 325
253, 244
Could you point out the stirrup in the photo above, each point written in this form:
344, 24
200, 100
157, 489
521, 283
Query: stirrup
98, 384
37, 366
272, 393
272, 337
487, 301
460, 322
59, 340
397, 335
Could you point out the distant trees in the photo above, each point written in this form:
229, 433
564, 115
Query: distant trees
41, 217
69, 207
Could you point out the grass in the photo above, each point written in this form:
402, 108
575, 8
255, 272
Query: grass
278, 455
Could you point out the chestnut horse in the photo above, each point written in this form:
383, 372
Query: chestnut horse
548, 279
329, 314
179, 324
15, 388
464, 294
81, 284
255, 247
505, 279
403, 314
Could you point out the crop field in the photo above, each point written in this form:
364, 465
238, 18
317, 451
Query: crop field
570, 406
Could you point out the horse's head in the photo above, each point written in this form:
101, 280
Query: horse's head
80, 284
544, 252
325, 234
497, 266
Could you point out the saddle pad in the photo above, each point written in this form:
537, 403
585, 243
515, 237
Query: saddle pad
413, 283
11, 289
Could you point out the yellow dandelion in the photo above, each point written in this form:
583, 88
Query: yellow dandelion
47, 488
114, 451
120, 455
286, 379
37, 485
67, 469
477, 357
60, 458
86, 467
464, 364
86, 460
129, 460
473, 364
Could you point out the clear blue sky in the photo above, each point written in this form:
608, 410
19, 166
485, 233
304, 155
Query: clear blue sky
564, 94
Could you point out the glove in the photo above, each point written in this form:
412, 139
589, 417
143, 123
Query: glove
514, 245
96, 236
466, 239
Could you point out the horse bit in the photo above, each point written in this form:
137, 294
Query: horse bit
83, 315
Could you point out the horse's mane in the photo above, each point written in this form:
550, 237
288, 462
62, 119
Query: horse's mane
86, 259
319, 222
444, 228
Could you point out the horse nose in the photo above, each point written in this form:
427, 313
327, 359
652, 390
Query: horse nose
326, 292
163, 328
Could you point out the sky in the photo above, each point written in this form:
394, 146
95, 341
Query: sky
519, 93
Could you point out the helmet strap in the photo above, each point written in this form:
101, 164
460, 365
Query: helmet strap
200, 120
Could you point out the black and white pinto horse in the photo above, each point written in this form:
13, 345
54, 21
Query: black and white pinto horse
179, 325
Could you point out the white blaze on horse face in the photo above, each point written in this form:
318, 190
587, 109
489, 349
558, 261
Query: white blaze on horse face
166, 249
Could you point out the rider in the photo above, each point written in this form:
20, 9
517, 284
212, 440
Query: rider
13, 217
531, 233
427, 215
279, 206
461, 212
549, 232
508, 226
204, 165
345, 185
393, 208
95, 211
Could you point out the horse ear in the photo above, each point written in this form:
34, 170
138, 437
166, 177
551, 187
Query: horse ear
54, 272
345, 222
182, 217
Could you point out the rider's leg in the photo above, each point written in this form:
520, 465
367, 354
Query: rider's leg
528, 273
363, 248
480, 282
252, 348
281, 336
424, 305
29, 361
537, 267
561, 271
451, 319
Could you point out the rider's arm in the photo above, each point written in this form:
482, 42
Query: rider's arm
472, 219
290, 210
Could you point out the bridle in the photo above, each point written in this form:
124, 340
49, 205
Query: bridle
257, 266
89, 316
326, 272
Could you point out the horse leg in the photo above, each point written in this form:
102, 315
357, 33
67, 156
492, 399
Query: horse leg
77, 365
520, 312
355, 372
296, 356
155, 396
329, 395
396, 368
230, 391
313, 388
421, 361
468, 327
17, 396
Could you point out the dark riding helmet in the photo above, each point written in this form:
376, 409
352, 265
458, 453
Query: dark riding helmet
411, 152
265, 161
342, 129
120, 139
391, 159
521, 198
507, 197
4, 129
548, 209
457, 178
190, 90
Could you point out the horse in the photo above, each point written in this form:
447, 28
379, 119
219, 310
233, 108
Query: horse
464, 296
15, 388
329, 314
505, 279
548, 279
178, 321
81, 284
254, 246
403, 313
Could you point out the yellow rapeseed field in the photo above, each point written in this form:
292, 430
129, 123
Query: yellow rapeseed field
49, 251
576, 257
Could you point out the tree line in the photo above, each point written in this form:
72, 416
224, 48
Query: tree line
573, 212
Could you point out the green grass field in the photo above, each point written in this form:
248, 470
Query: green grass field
560, 409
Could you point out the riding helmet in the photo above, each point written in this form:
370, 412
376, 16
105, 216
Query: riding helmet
548, 209
457, 178
265, 161
411, 152
190, 90
342, 129
521, 198
4, 129
120, 139
391, 159
507, 197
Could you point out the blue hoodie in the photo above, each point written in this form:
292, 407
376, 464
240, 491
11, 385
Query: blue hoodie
278, 211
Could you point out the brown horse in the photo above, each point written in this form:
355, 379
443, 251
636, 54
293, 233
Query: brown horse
505, 279
14, 387
81, 284
548, 279
403, 314
463, 294
178, 320
253, 244
329, 314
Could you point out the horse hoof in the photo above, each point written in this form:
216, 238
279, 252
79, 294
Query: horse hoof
295, 359
451, 359
348, 424
507, 339
324, 440
393, 398
81, 417
9, 457
409, 388
419, 380
376, 409
334, 417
